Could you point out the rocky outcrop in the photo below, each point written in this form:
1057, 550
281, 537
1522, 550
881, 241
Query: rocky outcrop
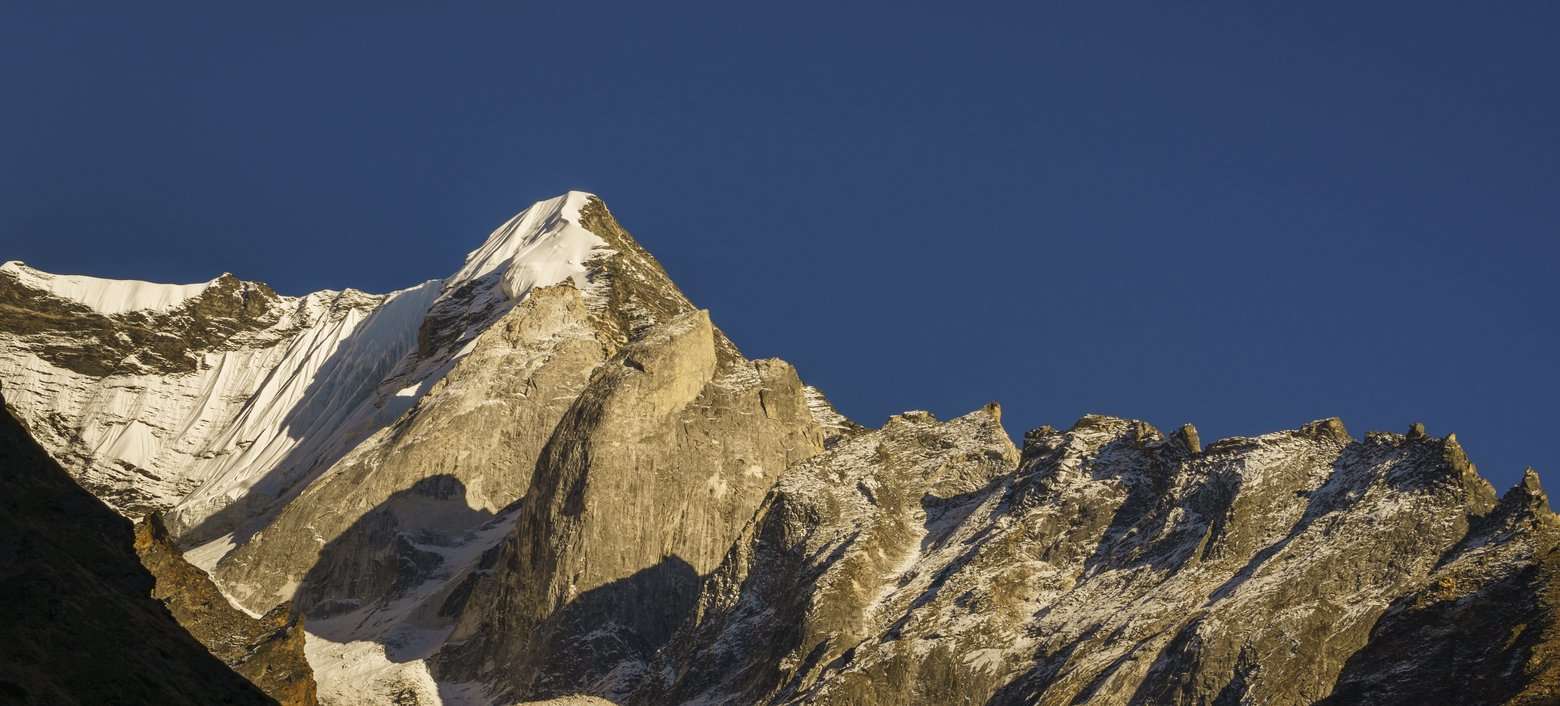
1482, 626
1118, 566
806, 581
642, 487
78, 620
482, 423
267, 650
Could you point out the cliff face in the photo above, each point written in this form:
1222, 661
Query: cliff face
79, 624
1119, 566
642, 487
812, 576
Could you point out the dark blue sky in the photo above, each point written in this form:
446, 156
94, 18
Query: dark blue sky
1246, 217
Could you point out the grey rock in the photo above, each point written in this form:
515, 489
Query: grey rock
518, 485
1112, 567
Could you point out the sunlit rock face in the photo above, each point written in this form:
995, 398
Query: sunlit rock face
1119, 566
550, 475
357, 454
267, 650
641, 489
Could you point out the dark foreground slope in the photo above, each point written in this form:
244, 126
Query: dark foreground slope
267, 650
78, 623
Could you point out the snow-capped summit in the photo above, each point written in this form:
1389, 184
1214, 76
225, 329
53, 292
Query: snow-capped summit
540, 246
261, 390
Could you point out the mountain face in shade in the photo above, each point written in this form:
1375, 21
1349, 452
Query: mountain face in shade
550, 475
78, 621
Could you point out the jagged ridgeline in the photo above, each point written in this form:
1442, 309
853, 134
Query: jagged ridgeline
551, 476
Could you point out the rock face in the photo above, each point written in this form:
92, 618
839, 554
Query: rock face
78, 622
551, 476
642, 487
268, 650
814, 575
1117, 566
361, 455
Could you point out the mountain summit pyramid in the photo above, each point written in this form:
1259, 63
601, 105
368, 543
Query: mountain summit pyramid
550, 474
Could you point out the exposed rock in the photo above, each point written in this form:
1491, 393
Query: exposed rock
643, 486
78, 621
268, 650
483, 422
1114, 567
549, 475
1187, 436
1481, 628
808, 580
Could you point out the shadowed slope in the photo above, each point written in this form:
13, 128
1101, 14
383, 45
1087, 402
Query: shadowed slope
80, 626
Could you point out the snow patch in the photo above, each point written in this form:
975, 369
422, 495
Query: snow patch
359, 673
207, 555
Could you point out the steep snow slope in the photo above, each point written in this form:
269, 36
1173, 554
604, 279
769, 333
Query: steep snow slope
541, 246
199, 398
311, 407
242, 416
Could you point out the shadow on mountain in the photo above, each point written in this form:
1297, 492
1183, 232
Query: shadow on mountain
411, 538
1141, 514
1181, 655
1410, 658
1029, 686
333, 415
1341, 489
616, 627
76, 612
1443, 644
412, 546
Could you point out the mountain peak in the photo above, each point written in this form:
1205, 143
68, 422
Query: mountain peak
538, 247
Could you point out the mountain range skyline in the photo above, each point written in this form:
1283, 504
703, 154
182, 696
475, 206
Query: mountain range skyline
1245, 218
552, 474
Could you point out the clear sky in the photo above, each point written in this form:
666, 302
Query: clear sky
1245, 215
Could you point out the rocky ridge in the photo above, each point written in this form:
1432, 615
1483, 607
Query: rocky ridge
1116, 565
268, 650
